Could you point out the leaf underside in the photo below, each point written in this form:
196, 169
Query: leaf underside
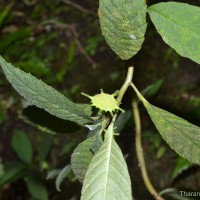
43, 96
123, 24
107, 176
178, 24
81, 158
182, 136
46, 122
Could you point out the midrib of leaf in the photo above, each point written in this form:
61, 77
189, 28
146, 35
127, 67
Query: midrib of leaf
186, 27
175, 22
165, 16
108, 162
109, 136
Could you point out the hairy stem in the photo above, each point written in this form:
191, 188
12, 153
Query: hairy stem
139, 152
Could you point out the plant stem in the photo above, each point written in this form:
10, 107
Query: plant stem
126, 84
139, 152
123, 89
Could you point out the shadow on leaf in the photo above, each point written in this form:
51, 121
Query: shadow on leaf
46, 122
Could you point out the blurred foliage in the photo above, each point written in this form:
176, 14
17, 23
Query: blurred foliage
25, 151
23, 169
4, 14
156, 143
92, 44
173, 57
3, 115
1, 168
181, 166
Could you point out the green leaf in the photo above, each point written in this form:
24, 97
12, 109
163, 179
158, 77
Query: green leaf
97, 143
123, 24
53, 174
180, 166
96, 126
178, 24
81, 158
12, 172
182, 136
44, 96
84, 152
161, 151
22, 146
45, 146
107, 176
153, 89
4, 13
3, 113
61, 176
36, 187
67, 148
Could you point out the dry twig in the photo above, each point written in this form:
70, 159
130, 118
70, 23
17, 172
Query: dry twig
81, 48
72, 28
77, 6
30, 2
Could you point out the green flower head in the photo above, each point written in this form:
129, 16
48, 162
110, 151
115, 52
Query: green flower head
105, 102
